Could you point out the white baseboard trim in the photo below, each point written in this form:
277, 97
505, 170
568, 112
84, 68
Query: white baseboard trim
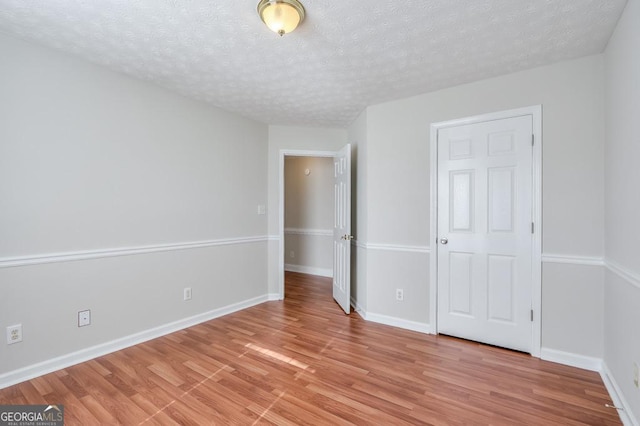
388, 320
322, 272
357, 308
397, 322
571, 359
617, 397
598, 365
273, 296
26, 373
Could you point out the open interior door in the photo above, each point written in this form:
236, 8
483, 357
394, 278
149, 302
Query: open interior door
342, 229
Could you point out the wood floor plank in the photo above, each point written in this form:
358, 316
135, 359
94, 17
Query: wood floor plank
301, 361
97, 410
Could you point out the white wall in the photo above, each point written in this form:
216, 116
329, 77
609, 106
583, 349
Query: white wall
622, 180
397, 204
95, 167
308, 219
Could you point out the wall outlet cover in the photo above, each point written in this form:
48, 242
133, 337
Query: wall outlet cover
14, 334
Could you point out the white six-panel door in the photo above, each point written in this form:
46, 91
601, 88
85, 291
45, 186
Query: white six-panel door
342, 229
484, 222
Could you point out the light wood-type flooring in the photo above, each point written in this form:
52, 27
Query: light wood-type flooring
303, 361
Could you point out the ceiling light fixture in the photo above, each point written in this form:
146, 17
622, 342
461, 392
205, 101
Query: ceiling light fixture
281, 16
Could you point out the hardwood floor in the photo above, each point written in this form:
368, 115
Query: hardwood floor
302, 361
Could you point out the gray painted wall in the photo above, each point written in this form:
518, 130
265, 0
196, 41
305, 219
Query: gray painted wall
396, 160
308, 219
94, 161
622, 206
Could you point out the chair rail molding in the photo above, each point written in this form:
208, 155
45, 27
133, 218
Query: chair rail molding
624, 273
572, 259
391, 247
309, 231
8, 262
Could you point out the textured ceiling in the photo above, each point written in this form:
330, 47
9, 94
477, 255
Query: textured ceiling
346, 55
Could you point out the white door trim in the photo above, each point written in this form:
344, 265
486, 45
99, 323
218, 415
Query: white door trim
289, 153
536, 291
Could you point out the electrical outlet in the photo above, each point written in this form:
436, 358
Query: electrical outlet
187, 293
84, 318
14, 334
292, 254
636, 375
399, 294
262, 209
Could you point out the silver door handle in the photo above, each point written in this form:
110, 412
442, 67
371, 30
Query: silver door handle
347, 237
443, 241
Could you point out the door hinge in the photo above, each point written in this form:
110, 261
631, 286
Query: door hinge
532, 228
532, 139
532, 315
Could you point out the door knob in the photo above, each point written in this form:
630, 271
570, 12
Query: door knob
443, 241
347, 237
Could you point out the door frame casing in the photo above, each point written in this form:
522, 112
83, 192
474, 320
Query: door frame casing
535, 112
282, 154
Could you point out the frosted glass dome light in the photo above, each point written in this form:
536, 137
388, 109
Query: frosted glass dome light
281, 16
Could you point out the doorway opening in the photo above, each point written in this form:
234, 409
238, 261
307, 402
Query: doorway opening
308, 215
285, 155
340, 216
